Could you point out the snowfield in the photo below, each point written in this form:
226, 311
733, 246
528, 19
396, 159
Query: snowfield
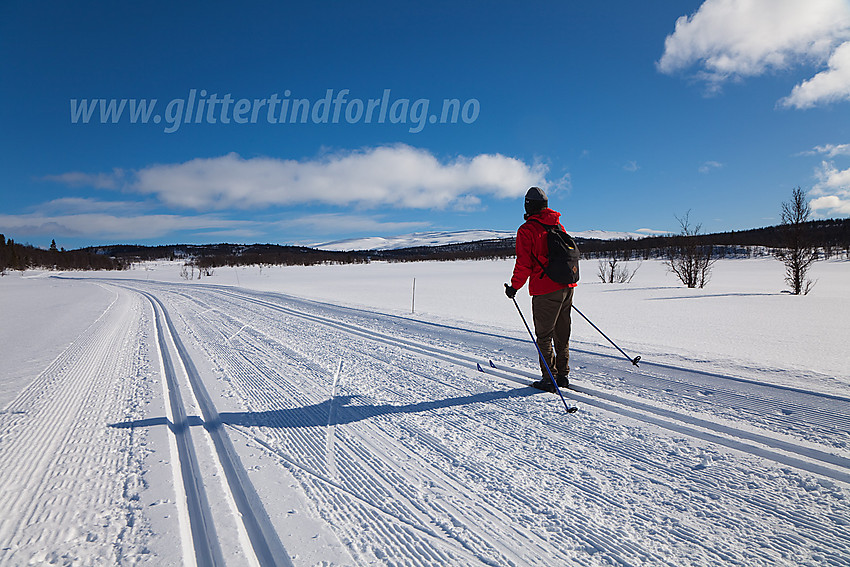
328, 416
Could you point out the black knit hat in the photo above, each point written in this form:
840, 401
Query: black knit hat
535, 200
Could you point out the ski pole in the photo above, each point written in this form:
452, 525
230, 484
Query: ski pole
545, 364
634, 360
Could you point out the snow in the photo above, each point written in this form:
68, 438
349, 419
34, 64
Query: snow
358, 430
743, 321
53, 313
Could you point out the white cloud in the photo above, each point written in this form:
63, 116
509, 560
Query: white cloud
731, 39
832, 191
89, 218
708, 166
831, 178
389, 176
831, 205
113, 226
832, 85
830, 150
96, 180
631, 166
399, 176
77, 205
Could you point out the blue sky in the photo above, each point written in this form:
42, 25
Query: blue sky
628, 113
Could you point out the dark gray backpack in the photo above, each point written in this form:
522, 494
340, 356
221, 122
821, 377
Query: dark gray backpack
562, 265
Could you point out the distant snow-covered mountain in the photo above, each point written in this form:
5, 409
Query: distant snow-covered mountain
452, 237
606, 234
415, 239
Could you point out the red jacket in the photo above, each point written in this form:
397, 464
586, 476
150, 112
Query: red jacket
530, 244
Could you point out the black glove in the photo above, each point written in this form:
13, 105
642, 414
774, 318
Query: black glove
509, 291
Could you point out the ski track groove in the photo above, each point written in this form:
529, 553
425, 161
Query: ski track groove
839, 419
768, 413
65, 457
354, 313
264, 543
383, 491
825, 539
386, 492
203, 541
597, 541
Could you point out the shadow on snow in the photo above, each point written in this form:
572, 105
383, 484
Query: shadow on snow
339, 410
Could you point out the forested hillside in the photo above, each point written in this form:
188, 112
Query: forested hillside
831, 237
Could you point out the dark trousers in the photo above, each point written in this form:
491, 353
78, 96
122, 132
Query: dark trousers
552, 321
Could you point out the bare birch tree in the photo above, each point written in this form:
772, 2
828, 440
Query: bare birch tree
612, 271
687, 258
798, 253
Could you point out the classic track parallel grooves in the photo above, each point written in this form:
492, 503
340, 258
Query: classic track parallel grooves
590, 534
264, 540
68, 485
734, 438
415, 458
204, 540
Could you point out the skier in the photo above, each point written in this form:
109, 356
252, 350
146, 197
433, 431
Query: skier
551, 302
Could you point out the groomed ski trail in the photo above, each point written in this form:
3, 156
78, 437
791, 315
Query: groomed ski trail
200, 538
69, 484
806, 456
435, 463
